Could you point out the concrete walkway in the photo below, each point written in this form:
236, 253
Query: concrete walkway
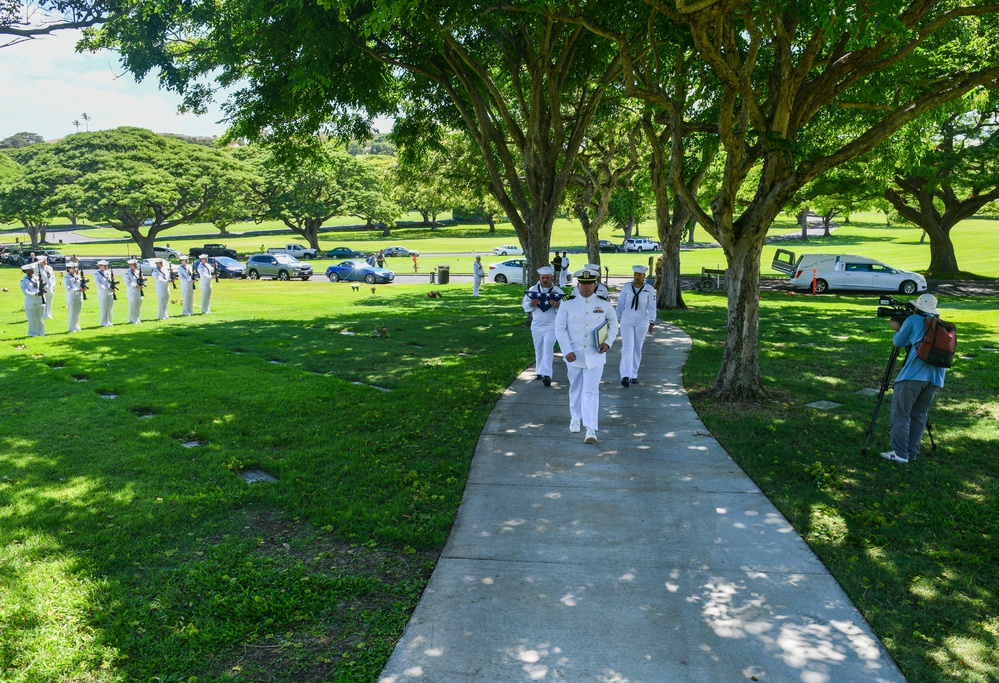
649, 557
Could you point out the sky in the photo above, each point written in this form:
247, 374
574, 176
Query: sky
45, 85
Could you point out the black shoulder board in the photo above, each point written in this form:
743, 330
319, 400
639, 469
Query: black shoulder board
569, 298
602, 297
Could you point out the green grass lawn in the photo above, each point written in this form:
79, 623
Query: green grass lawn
976, 241
916, 546
125, 555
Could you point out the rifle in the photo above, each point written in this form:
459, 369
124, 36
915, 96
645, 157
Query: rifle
83, 283
140, 282
113, 285
173, 276
41, 285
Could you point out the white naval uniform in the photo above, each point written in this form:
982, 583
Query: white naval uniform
635, 323
134, 295
50, 283
205, 274
33, 306
542, 330
105, 297
563, 275
74, 300
478, 274
162, 280
186, 276
577, 319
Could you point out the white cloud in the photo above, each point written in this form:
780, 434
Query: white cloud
45, 85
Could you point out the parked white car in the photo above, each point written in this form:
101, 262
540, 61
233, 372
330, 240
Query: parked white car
640, 244
507, 271
846, 273
508, 250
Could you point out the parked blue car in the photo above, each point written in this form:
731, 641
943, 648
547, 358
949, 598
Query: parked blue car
356, 271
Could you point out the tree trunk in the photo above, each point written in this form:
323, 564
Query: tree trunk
144, 242
739, 376
386, 230
492, 223
943, 259
691, 224
32, 231
803, 222
669, 227
426, 216
922, 238
629, 227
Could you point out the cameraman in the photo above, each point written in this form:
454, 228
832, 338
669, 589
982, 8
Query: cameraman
915, 384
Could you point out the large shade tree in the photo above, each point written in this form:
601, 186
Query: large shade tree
523, 84
134, 180
802, 89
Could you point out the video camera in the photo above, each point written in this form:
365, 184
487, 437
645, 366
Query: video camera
894, 309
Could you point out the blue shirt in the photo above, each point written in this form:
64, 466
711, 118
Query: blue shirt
909, 335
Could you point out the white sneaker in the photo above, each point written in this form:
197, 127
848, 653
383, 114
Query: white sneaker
591, 436
890, 455
573, 426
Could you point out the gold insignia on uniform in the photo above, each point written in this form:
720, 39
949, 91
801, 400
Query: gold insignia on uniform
598, 310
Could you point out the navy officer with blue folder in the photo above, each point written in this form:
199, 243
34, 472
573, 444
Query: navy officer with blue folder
585, 328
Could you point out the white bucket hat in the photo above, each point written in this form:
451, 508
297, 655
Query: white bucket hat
927, 303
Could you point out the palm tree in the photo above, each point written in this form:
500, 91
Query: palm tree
86, 118
76, 122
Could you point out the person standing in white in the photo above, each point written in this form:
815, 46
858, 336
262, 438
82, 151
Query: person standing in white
576, 324
73, 285
105, 293
478, 275
45, 271
542, 302
636, 309
564, 275
34, 292
162, 281
205, 275
134, 284
186, 276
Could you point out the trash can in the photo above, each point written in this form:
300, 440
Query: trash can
443, 275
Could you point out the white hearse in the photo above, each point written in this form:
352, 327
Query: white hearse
843, 272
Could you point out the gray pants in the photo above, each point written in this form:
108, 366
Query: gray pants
910, 404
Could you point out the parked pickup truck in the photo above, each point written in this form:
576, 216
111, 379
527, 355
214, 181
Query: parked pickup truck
213, 250
296, 250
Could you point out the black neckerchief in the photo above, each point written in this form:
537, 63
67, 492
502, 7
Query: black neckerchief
634, 302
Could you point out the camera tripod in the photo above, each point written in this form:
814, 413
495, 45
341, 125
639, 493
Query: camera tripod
885, 381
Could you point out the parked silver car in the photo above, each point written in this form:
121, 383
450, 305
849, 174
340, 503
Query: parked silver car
280, 266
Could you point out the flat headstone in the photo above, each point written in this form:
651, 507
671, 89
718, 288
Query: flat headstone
989, 348
109, 395
255, 476
276, 362
823, 405
868, 391
191, 444
347, 333
147, 416
966, 357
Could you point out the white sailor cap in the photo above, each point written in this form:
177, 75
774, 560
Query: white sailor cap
157, 260
546, 270
42, 257
131, 261
592, 266
585, 275
72, 264
102, 262
640, 269
28, 266
202, 255
184, 257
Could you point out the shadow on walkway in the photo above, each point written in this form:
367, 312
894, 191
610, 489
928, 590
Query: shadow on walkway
647, 557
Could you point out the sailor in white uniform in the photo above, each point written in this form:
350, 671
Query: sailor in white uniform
105, 293
34, 291
542, 302
583, 320
134, 284
205, 274
601, 289
636, 311
45, 271
478, 275
73, 284
162, 281
186, 276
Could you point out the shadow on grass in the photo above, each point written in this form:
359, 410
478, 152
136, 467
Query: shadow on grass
912, 545
164, 562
